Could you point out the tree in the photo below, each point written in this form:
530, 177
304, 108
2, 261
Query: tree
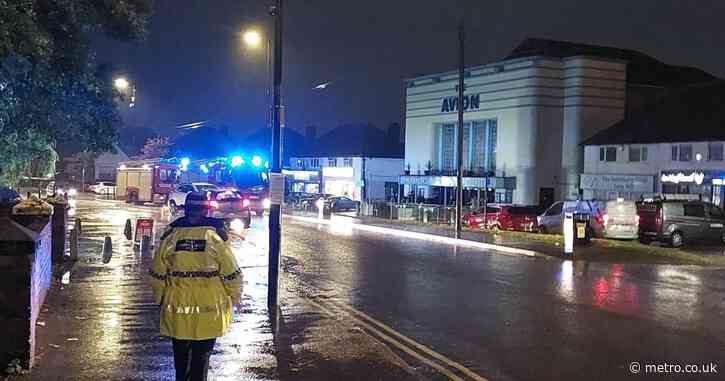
50, 90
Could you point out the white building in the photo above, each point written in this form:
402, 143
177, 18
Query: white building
358, 177
525, 118
107, 163
674, 148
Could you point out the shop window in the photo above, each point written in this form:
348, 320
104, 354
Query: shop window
683, 188
715, 152
669, 188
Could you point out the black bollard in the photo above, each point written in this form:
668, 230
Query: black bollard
79, 226
127, 230
107, 249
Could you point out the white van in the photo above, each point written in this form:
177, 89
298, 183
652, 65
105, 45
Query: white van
621, 220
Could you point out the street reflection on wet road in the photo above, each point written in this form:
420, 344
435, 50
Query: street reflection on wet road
507, 317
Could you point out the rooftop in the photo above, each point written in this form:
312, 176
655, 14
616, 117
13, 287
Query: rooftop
693, 113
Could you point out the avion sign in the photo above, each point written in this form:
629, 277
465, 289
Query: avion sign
470, 102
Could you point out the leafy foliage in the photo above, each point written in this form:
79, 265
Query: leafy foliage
49, 89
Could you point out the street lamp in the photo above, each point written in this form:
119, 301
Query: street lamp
252, 38
123, 85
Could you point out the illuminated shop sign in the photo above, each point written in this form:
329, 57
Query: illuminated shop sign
337, 172
694, 177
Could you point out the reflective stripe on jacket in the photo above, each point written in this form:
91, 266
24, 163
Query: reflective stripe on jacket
196, 280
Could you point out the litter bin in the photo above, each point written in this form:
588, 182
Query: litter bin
582, 231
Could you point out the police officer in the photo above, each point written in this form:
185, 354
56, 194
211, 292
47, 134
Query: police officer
196, 281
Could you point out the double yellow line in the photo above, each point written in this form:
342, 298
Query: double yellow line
451, 369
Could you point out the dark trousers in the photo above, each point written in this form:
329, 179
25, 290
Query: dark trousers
191, 359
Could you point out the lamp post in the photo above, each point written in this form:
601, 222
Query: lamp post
275, 228
459, 142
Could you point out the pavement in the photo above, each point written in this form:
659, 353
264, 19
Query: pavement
363, 305
99, 320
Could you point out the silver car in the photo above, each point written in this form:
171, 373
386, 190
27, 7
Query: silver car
552, 220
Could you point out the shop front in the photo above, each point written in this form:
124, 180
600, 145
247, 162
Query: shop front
612, 187
442, 189
302, 181
694, 184
340, 181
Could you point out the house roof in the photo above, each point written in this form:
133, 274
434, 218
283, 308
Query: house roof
356, 140
693, 113
641, 68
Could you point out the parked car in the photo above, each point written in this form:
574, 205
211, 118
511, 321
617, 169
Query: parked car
552, 220
504, 217
678, 221
103, 187
178, 196
340, 204
620, 220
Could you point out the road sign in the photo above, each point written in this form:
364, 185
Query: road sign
144, 227
276, 188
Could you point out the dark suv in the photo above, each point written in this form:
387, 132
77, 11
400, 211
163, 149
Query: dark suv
675, 222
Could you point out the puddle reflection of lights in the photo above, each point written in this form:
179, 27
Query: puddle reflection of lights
679, 276
342, 228
71, 212
237, 226
566, 281
65, 279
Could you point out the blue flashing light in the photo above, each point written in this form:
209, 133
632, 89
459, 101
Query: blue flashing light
204, 168
266, 164
237, 161
257, 161
185, 162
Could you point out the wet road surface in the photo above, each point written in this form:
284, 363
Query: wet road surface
363, 306
508, 317
99, 321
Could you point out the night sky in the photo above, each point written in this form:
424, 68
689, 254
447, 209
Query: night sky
193, 65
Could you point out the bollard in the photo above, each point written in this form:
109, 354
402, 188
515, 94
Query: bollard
320, 209
146, 244
79, 226
107, 249
127, 230
73, 245
569, 234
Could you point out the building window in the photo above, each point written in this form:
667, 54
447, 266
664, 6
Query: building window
315, 162
479, 146
638, 153
685, 152
715, 152
300, 163
607, 153
682, 152
332, 162
347, 162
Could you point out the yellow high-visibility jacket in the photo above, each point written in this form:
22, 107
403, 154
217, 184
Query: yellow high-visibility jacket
196, 281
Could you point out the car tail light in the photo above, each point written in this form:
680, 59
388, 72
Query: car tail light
605, 219
245, 202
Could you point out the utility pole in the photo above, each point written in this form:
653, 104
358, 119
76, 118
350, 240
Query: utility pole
459, 143
275, 228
